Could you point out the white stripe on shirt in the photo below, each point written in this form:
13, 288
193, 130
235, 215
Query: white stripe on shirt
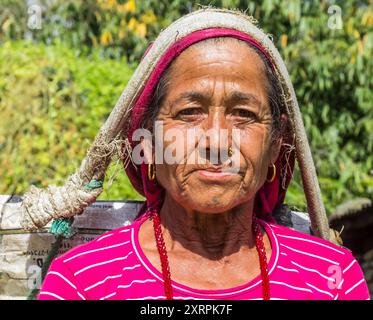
313, 270
286, 269
132, 267
108, 296
105, 236
51, 294
163, 297
80, 295
319, 290
190, 298
290, 286
349, 266
102, 263
149, 298
95, 250
314, 242
68, 282
310, 254
354, 286
63, 278
271, 298
340, 284
125, 230
135, 281
102, 281
275, 226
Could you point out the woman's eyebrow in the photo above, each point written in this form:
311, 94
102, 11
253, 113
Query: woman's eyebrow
233, 97
239, 96
192, 96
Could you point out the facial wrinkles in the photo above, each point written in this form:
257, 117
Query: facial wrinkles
216, 78
215, 89
195, 226
217, 121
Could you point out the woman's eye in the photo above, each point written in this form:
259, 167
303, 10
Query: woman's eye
244, 114
189, 112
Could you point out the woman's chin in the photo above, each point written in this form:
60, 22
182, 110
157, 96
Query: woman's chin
212, 202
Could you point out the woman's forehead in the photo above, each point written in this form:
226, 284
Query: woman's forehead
229, 58
227, 51
218, 67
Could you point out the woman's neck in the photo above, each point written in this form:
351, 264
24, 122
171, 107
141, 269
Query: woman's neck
213, 236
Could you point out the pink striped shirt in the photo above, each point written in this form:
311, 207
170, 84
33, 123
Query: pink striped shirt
113, 266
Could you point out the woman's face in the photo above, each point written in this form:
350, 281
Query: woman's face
216, 86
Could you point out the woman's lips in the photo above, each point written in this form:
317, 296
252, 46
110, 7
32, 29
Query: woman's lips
215, 174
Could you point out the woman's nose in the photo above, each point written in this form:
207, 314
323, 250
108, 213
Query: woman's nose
217, 137
217, 118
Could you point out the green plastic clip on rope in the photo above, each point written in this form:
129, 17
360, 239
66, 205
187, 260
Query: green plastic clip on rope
64, 226
93, 184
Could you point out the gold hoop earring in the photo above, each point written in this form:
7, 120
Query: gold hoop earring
273, 174
151, 171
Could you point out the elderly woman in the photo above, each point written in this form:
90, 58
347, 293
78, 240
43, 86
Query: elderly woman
206, 230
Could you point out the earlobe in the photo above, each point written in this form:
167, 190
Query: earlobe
147, 147
275, 150
277, 143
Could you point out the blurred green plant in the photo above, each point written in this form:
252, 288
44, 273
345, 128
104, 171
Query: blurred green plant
119, 28
331, 70
52, 103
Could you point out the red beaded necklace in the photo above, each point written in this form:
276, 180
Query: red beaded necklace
166, 267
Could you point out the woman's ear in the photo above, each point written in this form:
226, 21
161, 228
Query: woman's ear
275, 149
277, 142
147, 147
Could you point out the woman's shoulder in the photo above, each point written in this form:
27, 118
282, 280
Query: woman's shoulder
73, 274
324, 267
295, 243
110, 244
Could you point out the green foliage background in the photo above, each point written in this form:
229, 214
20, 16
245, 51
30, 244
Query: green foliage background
58, 84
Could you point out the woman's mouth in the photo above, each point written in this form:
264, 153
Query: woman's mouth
215, 175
